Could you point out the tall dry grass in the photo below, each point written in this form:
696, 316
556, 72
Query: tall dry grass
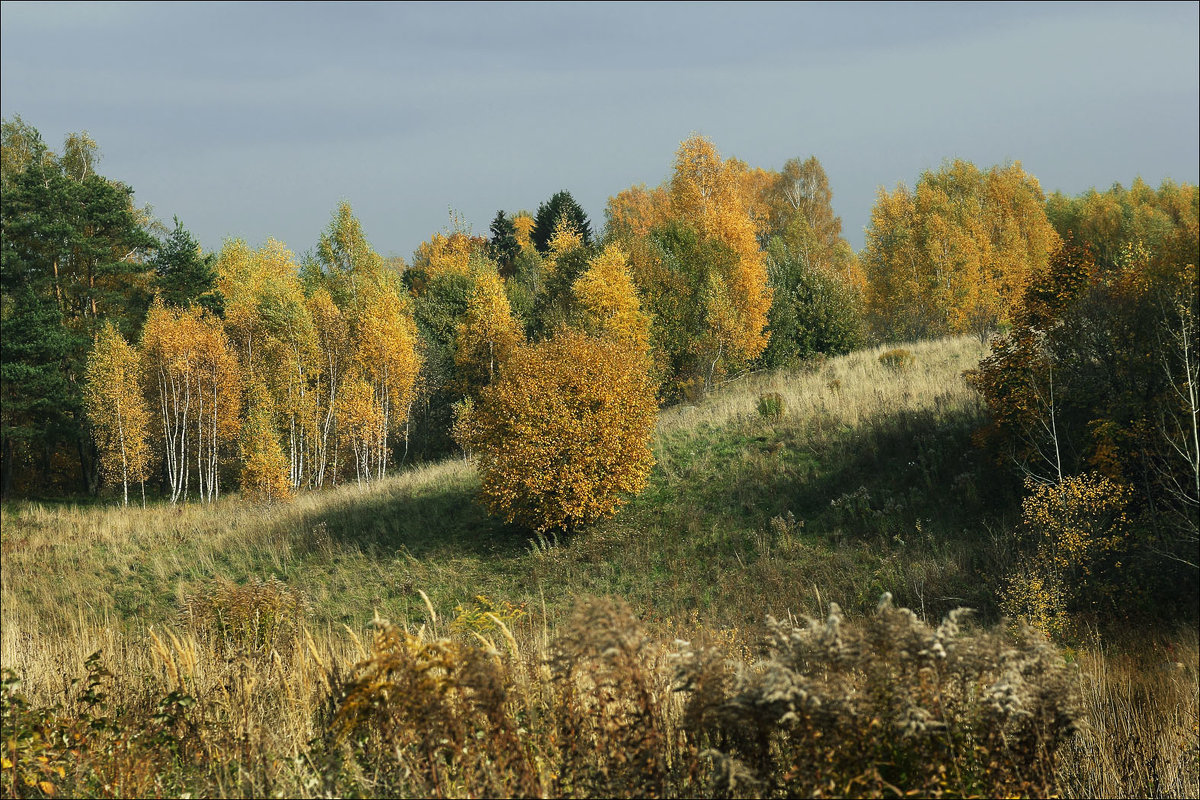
599, 708
214, 679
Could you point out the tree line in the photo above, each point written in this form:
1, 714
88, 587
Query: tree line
132, 357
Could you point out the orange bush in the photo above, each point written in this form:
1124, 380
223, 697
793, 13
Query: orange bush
564, 432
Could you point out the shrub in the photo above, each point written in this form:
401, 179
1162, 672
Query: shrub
564, 432
896, 359
252, 616
1073, 530
771, 405
429, 716
887, 706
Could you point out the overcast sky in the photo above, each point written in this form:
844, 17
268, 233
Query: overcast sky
255, 120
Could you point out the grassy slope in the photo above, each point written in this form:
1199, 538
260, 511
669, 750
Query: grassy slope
891, 448
875, 467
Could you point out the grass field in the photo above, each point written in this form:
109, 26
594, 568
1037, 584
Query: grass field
866, 483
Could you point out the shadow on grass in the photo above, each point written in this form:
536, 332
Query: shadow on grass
430, 522
882, 478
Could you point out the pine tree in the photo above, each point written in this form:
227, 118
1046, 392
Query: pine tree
504, 246
185, 274
560, 206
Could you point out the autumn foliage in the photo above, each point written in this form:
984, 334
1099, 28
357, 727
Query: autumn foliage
954, 254
119, 414
564, 434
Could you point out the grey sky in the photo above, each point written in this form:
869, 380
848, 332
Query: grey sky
255, 120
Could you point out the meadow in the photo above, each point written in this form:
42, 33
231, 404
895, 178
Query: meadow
243, 649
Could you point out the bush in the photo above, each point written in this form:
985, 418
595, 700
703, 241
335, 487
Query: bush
1075, 532
563, 433
896, 359
771, 405
887, 706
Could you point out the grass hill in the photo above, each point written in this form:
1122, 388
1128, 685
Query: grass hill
853, 477
866, 483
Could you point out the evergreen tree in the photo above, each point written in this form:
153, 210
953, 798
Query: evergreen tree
504, 245
561, 205
185, 274
74, 254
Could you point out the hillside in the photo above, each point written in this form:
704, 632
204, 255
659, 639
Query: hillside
867, 483
852, 460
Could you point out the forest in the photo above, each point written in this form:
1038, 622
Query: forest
544, 454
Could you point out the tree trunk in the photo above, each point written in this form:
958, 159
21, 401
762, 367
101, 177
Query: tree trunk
6, 469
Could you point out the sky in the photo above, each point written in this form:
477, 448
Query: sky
255, 120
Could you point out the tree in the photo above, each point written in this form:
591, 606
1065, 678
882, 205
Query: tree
523, 223
564, 434
185, 273
365, 337
335, 351
269, 319
708, 192
437, 312
1098, 375
504, 245
487, 334
1165, 221
609, 300
388, 362
117, 411
74, 255
192, 372
813, 311
264, 476
560, 206
695, 258
451, 253
955, 254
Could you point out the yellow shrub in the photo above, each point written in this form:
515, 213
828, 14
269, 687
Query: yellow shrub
1076, 521
564, 432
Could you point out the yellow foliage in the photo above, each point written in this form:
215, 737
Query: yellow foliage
955, 254
1037, 596
264, 475
609, 300
1073, 525
523, 223
488, 332
190, 364
1077, 520
116, 409
449, 254
710, 194
564, 239
633, 212
564, 432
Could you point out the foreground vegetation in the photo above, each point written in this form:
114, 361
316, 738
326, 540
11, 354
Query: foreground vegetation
239, 652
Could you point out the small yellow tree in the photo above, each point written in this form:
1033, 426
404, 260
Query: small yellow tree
264, 465
564, 433
117, 410
610, 302
488, 333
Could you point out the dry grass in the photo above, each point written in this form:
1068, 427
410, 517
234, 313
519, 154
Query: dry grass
599, 709
858, 487
848, 390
